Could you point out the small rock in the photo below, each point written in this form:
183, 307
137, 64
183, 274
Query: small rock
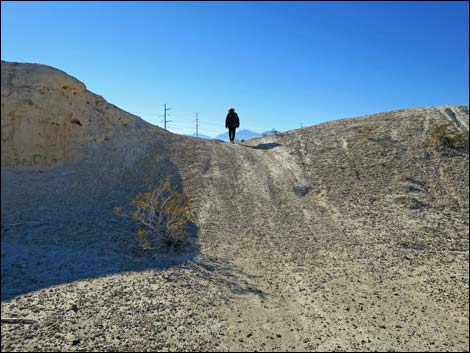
75, 340
74, 308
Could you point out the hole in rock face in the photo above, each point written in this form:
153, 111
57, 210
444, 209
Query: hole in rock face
76, 121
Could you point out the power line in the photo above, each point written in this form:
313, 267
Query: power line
164, 117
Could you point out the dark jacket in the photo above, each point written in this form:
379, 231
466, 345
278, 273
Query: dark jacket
232, 120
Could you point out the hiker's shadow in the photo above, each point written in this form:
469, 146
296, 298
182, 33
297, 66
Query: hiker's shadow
264, 146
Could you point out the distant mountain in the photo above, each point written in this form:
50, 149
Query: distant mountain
240, 135
201, 136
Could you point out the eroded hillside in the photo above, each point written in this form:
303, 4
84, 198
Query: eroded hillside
348, 235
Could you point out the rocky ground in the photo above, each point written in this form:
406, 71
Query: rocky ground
348, 235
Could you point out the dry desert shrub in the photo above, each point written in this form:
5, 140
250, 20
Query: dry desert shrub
164, 215
442, 136
404, 176
366, 132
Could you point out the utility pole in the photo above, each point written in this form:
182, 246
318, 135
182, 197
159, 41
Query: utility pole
301, 125
197, 124
164, 117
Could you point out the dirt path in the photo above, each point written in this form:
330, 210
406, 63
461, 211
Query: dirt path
252, 234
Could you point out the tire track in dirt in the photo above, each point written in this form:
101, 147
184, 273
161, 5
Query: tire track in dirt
246, 184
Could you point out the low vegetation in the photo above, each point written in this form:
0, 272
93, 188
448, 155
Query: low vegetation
271, 132
164, 215
442, 136
365, 131
404, 176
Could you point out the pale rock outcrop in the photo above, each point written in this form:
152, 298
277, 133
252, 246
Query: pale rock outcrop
49, 118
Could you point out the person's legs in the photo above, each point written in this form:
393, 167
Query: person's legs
231, 133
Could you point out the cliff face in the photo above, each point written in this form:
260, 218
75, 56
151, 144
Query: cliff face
49, 118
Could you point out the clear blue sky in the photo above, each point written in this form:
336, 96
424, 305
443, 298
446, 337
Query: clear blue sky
279, 64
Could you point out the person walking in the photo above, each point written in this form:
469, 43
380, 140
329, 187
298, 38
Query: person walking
231, 123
